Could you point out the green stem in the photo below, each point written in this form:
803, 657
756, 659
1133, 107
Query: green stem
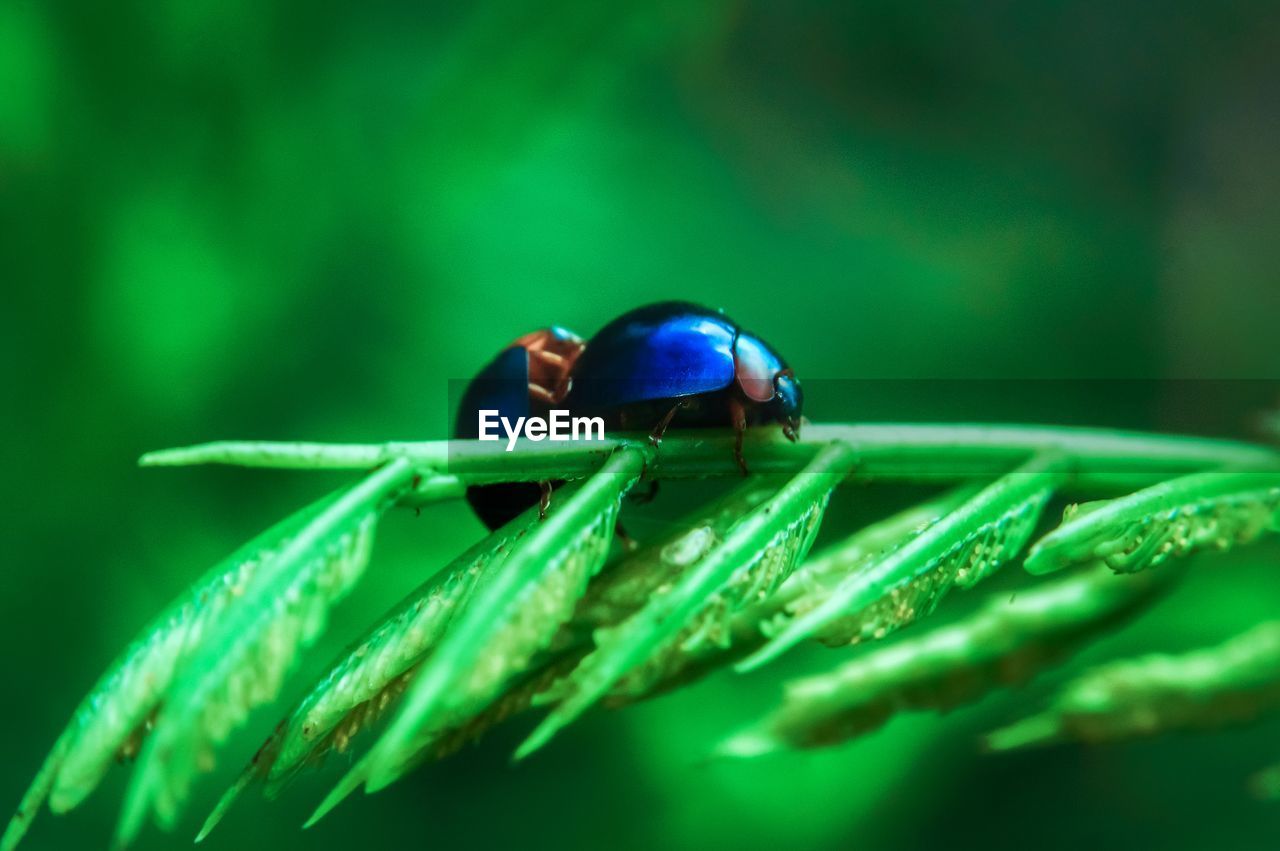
1100, 459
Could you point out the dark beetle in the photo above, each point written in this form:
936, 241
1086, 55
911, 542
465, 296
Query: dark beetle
679, 364
527, 378
672, 364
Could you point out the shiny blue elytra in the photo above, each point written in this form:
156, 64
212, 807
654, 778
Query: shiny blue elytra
663, 351
682, 365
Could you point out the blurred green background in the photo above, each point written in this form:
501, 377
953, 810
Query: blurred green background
300, 220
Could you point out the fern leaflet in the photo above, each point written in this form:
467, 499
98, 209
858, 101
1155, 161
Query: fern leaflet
1202, 511
1004, 643
509, 621
757, 552
1232, 683
963, 547
241, 663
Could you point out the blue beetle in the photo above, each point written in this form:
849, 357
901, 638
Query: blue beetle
667, 364
679, 364
527, 378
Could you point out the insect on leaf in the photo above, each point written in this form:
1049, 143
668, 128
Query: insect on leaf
1202, 511
1232, 683
756, 554
1004, 643
241, 662
963, 547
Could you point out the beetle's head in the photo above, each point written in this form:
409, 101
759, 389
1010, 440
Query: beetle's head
788, 402
766, 381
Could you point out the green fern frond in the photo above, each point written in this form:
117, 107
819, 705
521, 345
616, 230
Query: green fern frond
963, 547
700, 604
518, 697
1004, 643
124, 700
631, 583
747, 628
374, 673
1232, 683
1217, 510
823, 572
396, 646
509, 621
711, 631
756, 553
817, 580
241, 662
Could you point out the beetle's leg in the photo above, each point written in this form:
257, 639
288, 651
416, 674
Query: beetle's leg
738, 416
542, 394
655, 436
544, 500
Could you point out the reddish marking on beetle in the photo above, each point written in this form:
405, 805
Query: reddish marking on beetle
547, 357
551, 359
